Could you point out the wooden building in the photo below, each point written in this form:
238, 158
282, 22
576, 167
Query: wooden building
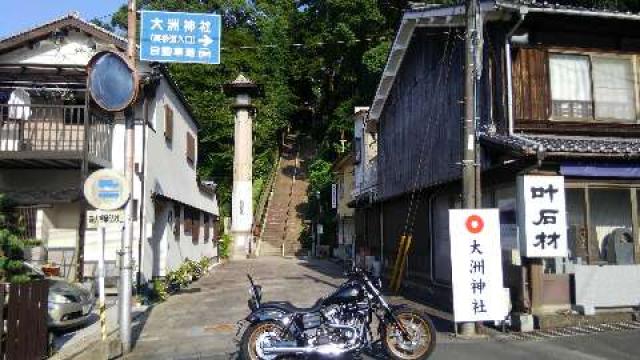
559, 95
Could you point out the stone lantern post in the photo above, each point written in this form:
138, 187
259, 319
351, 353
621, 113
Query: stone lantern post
242, 194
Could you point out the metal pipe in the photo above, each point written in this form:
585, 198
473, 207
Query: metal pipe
507, 52
143, 197
127, 239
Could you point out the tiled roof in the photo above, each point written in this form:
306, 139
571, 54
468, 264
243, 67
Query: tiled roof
558, 6
532, 144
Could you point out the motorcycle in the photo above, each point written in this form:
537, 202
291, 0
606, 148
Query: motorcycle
336, 326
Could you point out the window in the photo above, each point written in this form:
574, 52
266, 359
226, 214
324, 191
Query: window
207, 224
191, 149
592, 87
188, 220
613, 88
600, 225
195, 226
168, 123
176, 222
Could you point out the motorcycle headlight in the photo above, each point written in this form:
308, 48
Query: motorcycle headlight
58, 299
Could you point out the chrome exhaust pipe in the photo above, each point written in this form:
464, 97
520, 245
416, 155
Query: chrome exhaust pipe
329, 349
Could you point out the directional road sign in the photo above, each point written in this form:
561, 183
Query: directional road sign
180, 37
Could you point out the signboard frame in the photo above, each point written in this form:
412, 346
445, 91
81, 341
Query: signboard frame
145, 39
476, 265
134, 75
535, 218
93, 197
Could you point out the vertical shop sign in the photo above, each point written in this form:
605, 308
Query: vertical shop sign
476, 261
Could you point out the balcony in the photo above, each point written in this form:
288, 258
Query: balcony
58, 136
367, 182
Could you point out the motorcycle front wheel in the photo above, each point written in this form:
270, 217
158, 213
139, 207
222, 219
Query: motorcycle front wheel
258, 336
421, 340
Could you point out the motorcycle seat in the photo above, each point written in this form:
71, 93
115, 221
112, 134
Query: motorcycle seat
290, 308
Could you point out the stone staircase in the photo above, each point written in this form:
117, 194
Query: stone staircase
284, 219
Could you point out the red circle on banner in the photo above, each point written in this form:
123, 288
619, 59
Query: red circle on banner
474, 224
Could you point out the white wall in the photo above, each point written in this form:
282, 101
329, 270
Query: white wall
168, 175
76, 49
167, 172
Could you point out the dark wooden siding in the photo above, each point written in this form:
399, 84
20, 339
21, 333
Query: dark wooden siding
531, 93
422, 117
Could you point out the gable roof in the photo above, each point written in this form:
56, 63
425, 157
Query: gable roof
73, 20
453, 16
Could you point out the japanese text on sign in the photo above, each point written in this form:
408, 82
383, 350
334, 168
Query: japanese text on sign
180, 37
99, 218
476, 262
542, 216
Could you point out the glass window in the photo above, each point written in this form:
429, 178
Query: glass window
612, 226
570, 86
577, 233
613, 88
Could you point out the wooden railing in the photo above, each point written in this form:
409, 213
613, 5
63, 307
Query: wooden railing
55, 128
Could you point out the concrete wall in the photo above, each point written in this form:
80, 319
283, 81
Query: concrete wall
76, 49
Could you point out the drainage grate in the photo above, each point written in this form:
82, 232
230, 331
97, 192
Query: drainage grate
580, 330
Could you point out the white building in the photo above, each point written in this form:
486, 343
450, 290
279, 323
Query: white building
52, 136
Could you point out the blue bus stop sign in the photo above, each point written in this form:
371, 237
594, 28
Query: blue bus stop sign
106, 189
180, 37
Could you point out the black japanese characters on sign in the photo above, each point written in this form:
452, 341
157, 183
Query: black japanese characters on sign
476, 265
542, 217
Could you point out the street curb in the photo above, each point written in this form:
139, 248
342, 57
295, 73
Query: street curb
94, 344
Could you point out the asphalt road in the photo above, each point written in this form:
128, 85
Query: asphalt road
200, 323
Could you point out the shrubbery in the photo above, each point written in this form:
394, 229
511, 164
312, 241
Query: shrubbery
224, 246
179, 278
12, 244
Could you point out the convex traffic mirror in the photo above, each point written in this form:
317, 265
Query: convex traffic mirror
112, 81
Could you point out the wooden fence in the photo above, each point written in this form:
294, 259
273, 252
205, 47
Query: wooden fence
23, 313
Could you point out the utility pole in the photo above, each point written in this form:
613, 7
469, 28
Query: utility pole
127, 240
473, 71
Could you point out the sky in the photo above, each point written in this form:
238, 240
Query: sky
19, 15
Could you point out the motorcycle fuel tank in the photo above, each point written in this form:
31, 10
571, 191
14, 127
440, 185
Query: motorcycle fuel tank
345, 294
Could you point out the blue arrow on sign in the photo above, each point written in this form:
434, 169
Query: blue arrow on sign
180, 37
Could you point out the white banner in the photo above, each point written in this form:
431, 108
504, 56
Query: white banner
542, 216
476, 263
334, 196
97, 218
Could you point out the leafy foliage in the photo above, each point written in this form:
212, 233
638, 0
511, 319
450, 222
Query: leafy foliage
224, 246
316, 60
12, 244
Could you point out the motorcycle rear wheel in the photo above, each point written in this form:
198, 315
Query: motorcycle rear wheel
254, 335
422, 336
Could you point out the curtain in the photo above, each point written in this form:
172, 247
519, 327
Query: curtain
613, 88
570, 79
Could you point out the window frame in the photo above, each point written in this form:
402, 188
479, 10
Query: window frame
634, 192
633, 58
190, 148
168, 123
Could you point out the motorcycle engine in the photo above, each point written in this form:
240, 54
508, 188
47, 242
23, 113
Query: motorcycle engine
341, 326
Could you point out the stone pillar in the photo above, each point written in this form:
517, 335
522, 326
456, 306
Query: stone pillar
242, 194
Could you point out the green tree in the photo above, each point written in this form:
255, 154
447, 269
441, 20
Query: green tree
12, 244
